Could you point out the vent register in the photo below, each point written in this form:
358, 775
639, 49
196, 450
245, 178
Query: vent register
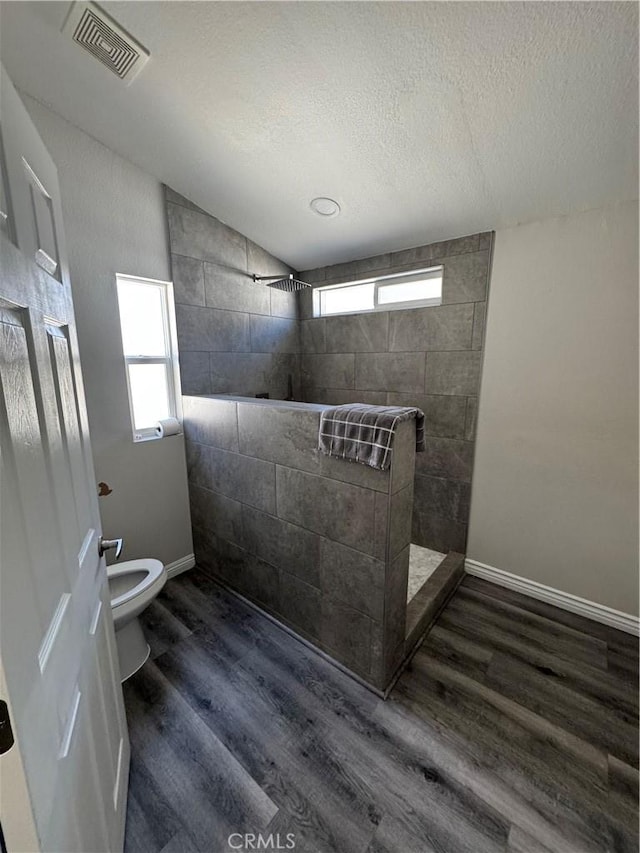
95, 31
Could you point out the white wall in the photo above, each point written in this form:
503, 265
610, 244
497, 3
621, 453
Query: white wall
555, 485
115, 221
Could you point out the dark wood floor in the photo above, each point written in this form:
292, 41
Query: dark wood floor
515, 729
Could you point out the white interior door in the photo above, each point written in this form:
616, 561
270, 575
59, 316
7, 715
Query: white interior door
57, 648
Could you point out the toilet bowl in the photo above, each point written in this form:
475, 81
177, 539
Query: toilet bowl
133, 586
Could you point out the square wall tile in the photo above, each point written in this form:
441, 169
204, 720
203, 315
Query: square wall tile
377, 263
233, 290
176, 198
358, 333
283, 367
251, 481
390, 371
403, 455
217, 513
345, 633
462, 245
444, 415
198, 464
305, 303
277, 434
313, 335
480, 310
261, 262
284, 304
284, 545
211, 330
260, 582
472, 419
400, 521
466, 277
219, 556
414, 256
300, 604
200, 236
382, 514
339, 511
341, 396
274, 334
396, 611
188, 280
485, 240
453, 372
329, 371
213, 422
347, 271
439, 327
353, 578
194, 373
246, 374
290, 437
437, 532
314, 276
446, 457
440, 496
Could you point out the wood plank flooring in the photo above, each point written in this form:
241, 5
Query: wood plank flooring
515, 729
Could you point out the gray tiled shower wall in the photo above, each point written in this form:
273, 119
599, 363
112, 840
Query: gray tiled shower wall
234, 335
425, 357
321, 544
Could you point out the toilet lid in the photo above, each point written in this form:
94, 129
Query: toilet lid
153, 570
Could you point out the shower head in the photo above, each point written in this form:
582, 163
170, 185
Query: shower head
289, 282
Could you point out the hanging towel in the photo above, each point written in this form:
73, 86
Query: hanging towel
361, 433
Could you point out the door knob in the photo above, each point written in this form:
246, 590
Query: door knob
109, 545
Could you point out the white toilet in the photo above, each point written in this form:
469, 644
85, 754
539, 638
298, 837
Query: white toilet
133, 586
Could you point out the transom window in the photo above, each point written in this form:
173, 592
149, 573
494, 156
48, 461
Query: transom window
148, 341
415, 289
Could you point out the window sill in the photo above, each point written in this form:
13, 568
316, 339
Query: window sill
380, 309
140, 439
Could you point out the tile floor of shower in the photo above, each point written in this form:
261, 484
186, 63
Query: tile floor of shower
422, 564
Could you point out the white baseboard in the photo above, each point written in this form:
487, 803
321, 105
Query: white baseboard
564, 600
181, 565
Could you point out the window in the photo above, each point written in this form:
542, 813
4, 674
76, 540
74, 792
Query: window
414, 289
148, 340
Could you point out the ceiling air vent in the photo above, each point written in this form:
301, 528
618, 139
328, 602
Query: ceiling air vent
98, 33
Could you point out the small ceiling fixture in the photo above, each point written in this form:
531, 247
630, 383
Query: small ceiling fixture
325, 206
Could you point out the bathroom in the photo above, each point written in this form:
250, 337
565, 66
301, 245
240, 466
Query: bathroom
275, 346
318, 654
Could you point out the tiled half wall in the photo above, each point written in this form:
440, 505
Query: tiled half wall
321, 544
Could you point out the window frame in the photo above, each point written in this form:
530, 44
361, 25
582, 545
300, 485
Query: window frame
170, 360
436, 271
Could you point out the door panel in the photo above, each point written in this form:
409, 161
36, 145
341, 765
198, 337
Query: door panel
6, 217
43, 227
23, 442
57, 647
67, 406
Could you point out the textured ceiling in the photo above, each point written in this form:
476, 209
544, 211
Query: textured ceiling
424, 120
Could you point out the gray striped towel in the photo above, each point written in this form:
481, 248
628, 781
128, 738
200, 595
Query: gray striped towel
360, 433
